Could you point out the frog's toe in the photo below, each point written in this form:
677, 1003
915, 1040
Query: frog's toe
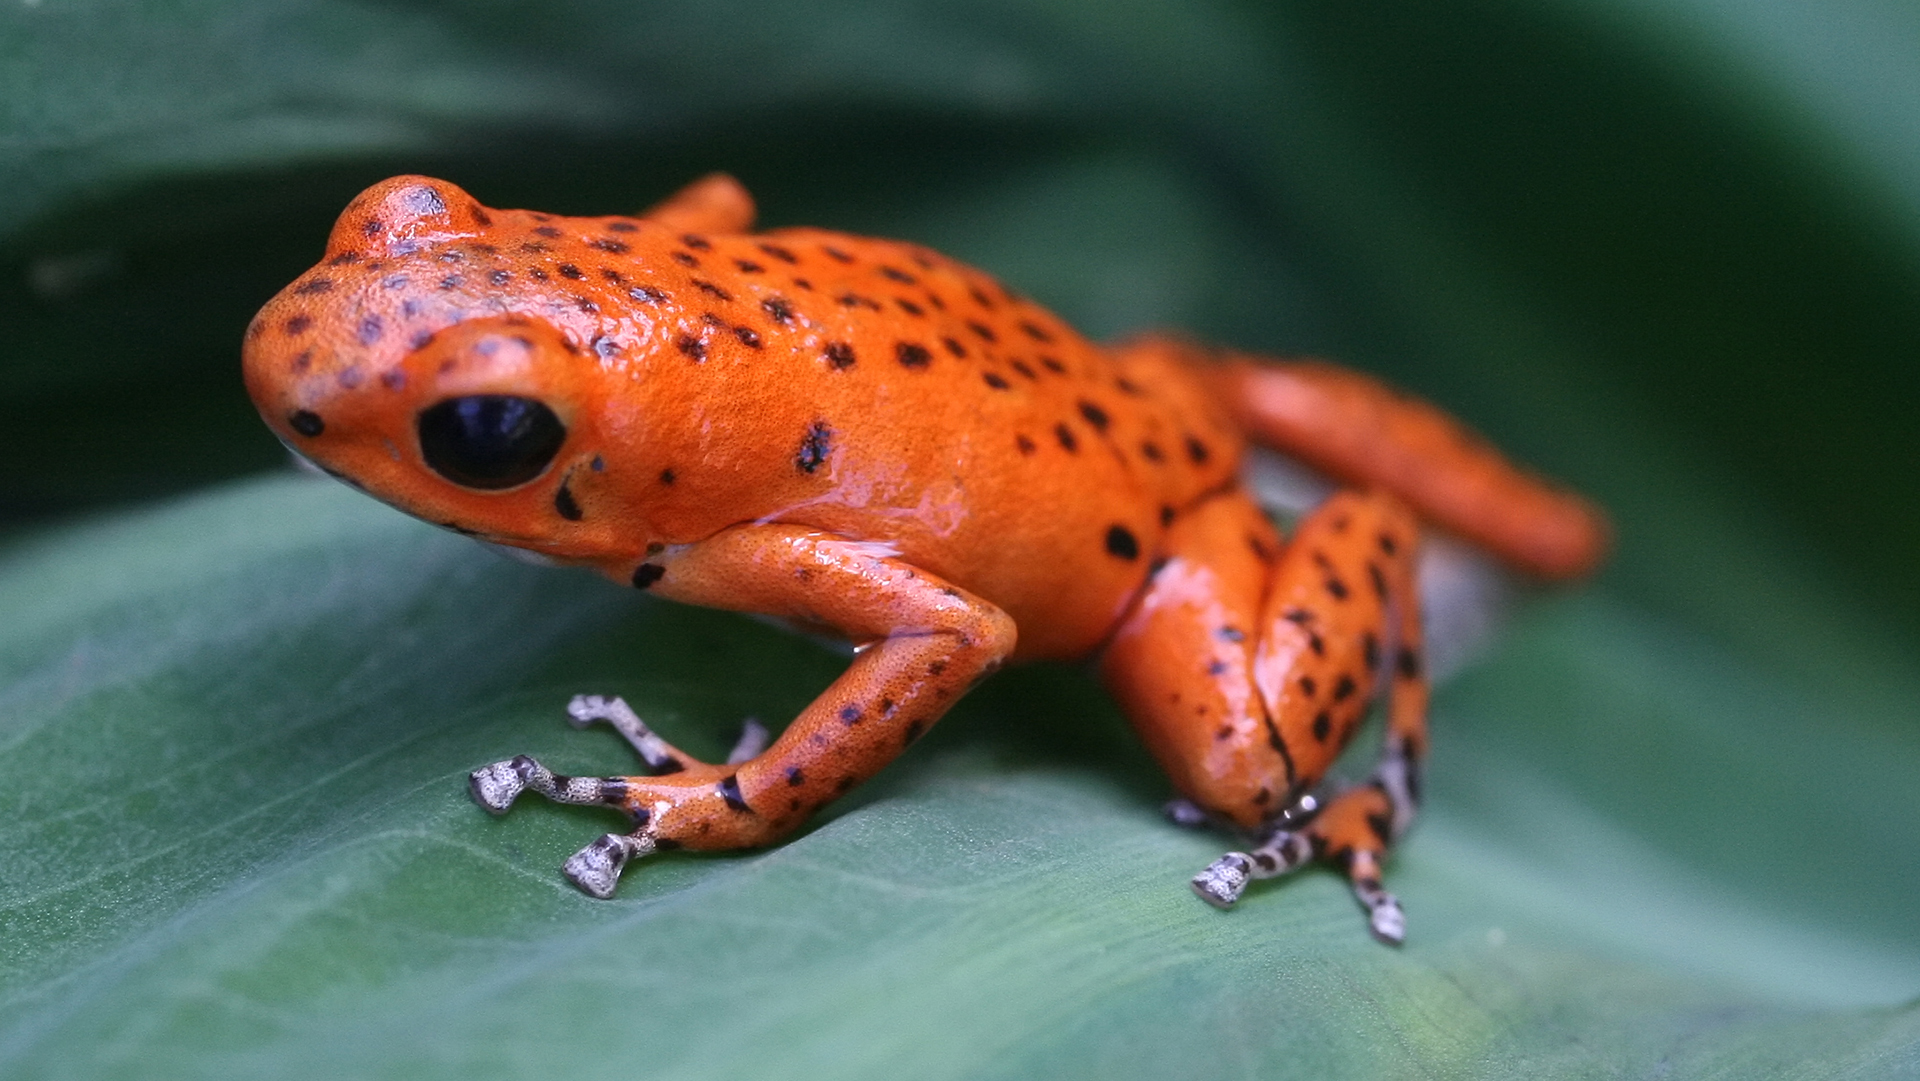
1187, 814
1226, 878
497, 785
596, 868
754, 738
1384, 916
659, 755
1388, 922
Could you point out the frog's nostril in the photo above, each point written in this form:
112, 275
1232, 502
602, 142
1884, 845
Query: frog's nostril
489, 441
306, 423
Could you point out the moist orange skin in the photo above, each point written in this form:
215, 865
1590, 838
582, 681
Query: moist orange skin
927, 456
867, 437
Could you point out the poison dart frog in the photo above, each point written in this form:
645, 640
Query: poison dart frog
866, 438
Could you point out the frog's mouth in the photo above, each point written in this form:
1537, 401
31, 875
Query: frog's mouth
517, 554
305, 464
311, 466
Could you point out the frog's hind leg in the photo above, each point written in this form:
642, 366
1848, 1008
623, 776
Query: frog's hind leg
1182, 665
1355, 827
1247, 672
1365, 433
1352, 832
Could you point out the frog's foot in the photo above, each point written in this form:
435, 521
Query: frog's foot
496, 786
1187, 814
1226, 878
659, 755
596, 868
686, 803
1356, 827
1351, 831
753, 739
1384, 917
1285, 848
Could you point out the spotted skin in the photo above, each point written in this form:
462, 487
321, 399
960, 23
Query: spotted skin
868, 439
1356, 428
1247, 664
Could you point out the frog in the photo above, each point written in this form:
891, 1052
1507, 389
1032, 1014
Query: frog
871, 441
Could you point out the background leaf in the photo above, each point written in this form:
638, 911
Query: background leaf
1665, 251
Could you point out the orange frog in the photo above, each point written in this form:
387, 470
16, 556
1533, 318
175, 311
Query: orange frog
866, 438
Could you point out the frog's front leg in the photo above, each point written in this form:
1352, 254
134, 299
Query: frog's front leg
920, 643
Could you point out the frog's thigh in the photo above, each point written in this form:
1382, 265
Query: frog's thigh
1340, 624
1181, 665
1369, 435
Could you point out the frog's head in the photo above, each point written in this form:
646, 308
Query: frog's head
430, 362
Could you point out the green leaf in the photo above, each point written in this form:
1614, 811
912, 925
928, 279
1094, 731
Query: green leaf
1666, 251
237, 841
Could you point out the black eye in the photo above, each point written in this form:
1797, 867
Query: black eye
490, 441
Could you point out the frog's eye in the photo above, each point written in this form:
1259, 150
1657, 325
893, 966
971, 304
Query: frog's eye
490, 441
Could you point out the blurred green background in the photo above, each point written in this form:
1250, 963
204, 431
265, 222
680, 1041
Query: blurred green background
1669, 252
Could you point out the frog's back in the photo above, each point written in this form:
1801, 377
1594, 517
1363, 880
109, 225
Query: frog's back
979, 433
870, 388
